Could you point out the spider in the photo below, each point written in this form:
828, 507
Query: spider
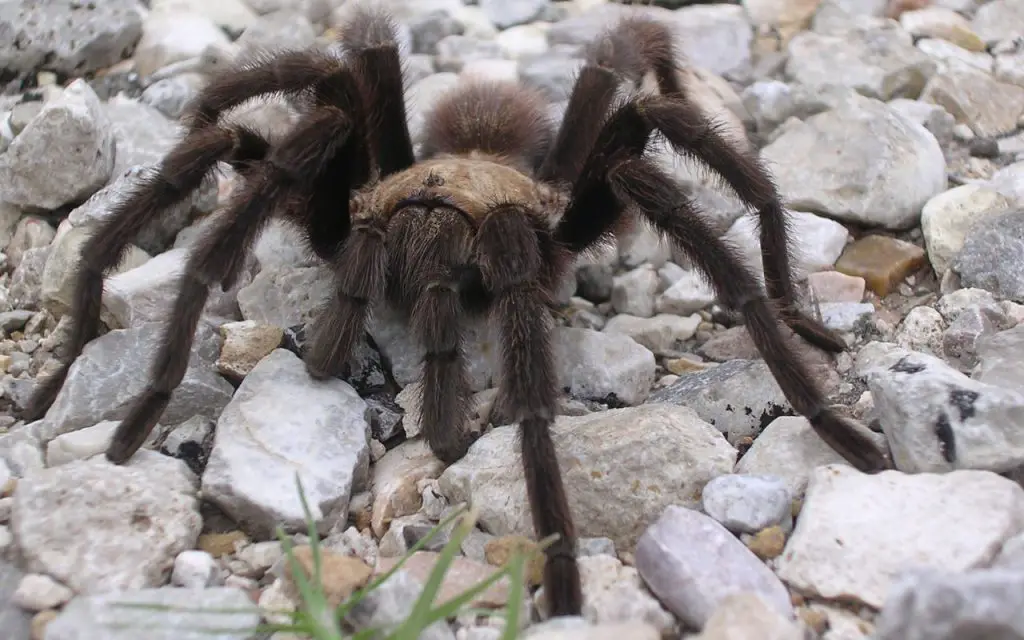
483, 225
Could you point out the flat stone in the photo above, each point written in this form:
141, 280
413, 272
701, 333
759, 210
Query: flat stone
739, 397
834, 286
692, 564
99, 527
593, 365
660, 333
998, 20
857, 532
621, 468
882, 261
941, 22
168, 613
113, 370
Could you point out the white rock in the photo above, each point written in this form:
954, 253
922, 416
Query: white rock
281, 422
748, 615
936, 418
946, 605
173, 37
882, 169
633, 292
599, 366
688, 294
80, 444
194, 569
747, 504
659, 333
63, 155
622, 467
613, 593
948, 217
37, 592
817, 242
790, 449
857, 532
921, 330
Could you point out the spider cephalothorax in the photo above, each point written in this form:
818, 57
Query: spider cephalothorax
484, 224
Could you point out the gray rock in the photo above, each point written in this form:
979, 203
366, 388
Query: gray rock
878, 61
627, 465
660, 333
67, 36
856, 532
455, 51
168, 613
388, 606
508, 13
277, 31
960, 340
999, 358
114, 369
633, 292
592, 365
992, 257
998, 20
99, 527
148, 293
991, 108
280, 423
143, 135
428, 29
921, 330
937, 419
747, 504
940, 605
692, 563
285, 296
172, 96
883, 169
64, 154
404, 352
739, 397
931, 116
553, 75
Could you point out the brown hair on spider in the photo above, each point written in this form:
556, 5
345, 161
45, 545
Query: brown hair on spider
484, 224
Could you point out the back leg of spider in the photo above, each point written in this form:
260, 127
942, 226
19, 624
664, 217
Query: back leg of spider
372, 50
661, 201
179, 175
291, 166
621, 55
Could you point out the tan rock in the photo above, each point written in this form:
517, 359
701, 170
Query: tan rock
882, 261
245, 344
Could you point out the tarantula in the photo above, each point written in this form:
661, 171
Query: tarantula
484, 224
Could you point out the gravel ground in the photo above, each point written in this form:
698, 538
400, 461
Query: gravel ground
707, 509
